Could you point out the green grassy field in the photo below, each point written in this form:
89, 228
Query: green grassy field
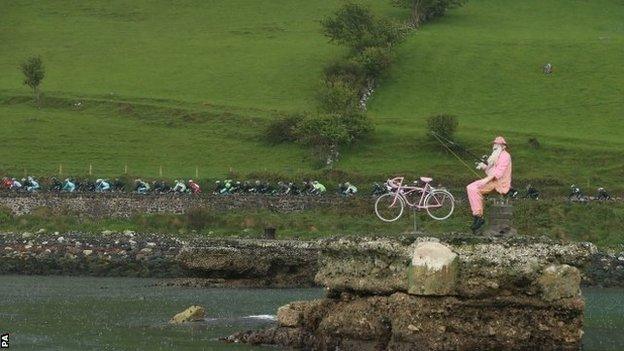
193, 84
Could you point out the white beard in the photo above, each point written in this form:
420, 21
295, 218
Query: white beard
493, 159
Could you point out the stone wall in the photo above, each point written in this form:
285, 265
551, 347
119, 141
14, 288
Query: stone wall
126, 205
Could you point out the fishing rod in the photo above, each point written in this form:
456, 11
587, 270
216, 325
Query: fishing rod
445, 141
440, 138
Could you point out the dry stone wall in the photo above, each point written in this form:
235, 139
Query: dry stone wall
126, 205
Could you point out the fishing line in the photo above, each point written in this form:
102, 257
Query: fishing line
454, 154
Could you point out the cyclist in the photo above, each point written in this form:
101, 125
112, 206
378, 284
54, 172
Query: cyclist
68, 186
102, 186
179, 187
532, 193
349, 189
16, 185
378, 189
7, 183
56, 185
162, 187
318, 188
576, 194
603, 194
195, 188
33, 185
141, 187
227, 187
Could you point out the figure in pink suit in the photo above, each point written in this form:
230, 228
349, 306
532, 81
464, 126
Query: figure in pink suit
498, 177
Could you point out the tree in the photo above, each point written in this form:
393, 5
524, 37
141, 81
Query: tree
326, 133
34, 72
355, 26
424, 10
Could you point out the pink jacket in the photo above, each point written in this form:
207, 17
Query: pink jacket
502, 172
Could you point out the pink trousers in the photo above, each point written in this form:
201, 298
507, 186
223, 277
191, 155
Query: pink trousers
475, 195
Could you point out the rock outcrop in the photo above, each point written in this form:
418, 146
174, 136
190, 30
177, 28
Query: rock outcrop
275, 263
192, 314
426, 295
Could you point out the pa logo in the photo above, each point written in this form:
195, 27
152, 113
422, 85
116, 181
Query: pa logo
4, 341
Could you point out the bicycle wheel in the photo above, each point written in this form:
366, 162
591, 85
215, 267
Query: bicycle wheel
386, 210
440, 204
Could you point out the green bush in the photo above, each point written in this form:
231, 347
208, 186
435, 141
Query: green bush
325, 130
339, 97
349, 71
443, 125
425, 10
374, 61
282, 129
355, 26
357, 124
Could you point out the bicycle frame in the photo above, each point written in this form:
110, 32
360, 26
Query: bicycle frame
396, 185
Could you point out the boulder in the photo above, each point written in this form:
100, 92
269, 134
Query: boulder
191, 314
288, 316
433, 270
300, 313
559, 282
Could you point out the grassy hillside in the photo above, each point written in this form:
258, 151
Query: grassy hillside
193, 84
233, 52
483, 64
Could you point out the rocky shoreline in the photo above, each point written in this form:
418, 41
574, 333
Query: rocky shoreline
210, 262
223, 262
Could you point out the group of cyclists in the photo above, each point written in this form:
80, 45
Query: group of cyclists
229, 187
139, 186
71, 185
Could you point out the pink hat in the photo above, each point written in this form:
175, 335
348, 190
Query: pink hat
499, 140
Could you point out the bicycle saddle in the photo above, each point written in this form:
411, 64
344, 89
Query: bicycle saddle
426, 179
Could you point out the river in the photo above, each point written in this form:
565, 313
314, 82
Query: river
72, 313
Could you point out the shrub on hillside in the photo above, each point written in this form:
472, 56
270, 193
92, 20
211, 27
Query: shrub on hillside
34, 72
425, 10
339, 97
357, 124
355, 26
374, 61
347, 70
326, 133
443, 125
282, 129
325, 130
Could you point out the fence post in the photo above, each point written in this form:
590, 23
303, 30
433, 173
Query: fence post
126, 169
160, 172
60, 169
196, 172
90, 169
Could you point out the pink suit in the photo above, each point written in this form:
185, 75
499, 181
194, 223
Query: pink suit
501, 183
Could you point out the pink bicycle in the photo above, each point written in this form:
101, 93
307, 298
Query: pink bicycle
439, 203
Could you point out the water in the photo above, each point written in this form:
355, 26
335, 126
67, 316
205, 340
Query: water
69, 313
